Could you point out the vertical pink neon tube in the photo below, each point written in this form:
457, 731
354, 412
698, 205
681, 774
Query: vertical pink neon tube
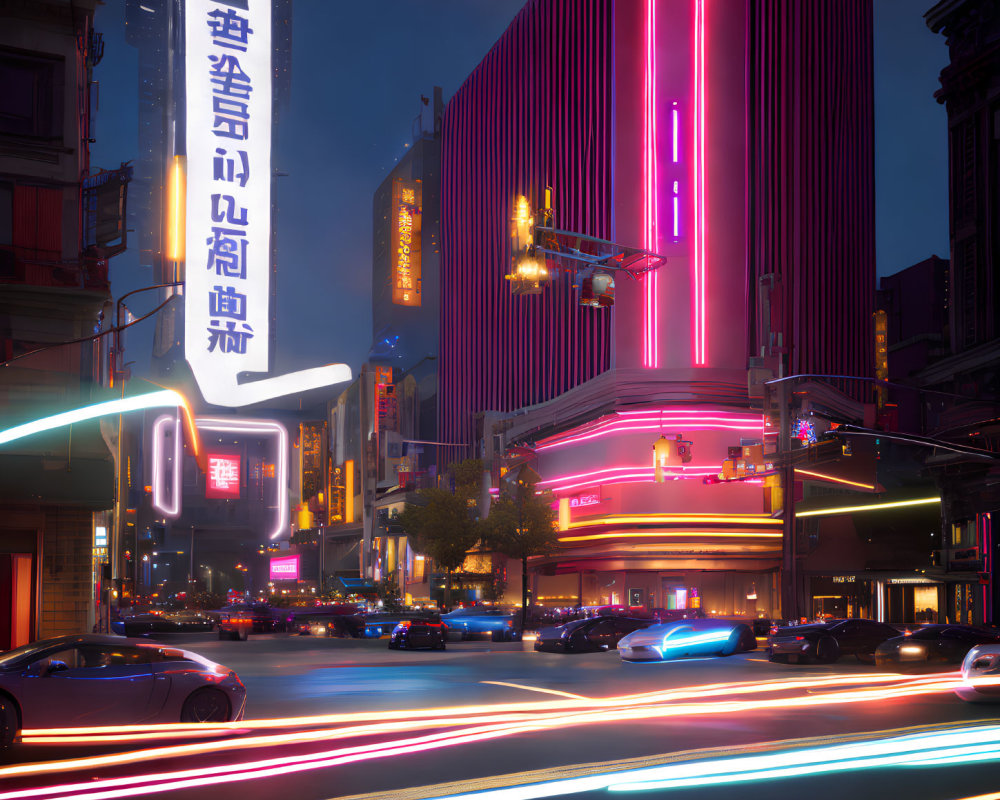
651, 354
699, 184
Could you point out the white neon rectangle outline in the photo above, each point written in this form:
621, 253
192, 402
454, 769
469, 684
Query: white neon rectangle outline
159, 502
219, 424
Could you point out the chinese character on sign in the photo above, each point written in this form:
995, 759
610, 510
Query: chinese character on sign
227, 302
229, 29
225, 168
227, 255
229, 340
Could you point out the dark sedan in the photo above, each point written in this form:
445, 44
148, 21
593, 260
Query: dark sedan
413, 633
825, 642
588, 635
929, 644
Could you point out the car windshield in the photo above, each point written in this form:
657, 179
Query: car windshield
25, 652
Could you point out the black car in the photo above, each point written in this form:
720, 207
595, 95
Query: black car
413, 633
933, 644
825, 642
588, 635
238, 620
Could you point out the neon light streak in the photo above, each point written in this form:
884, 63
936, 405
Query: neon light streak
248, 426
439, 716
598, 476
163, 781
823, 477
699, 184
176, 193
167, 398
654, 519
650, 421
675, 125
159, 434
651, 354
829, 512
671, 534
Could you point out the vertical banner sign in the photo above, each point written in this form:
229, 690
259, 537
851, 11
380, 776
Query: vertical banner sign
227, 275
881, 356
406, 200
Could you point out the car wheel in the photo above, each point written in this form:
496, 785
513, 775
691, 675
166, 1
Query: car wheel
498, 636
827, 650
8, 722
206, 705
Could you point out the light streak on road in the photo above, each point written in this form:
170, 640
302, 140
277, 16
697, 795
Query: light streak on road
539, 689
476, 729
956, 744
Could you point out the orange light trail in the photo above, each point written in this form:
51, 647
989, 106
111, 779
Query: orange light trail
655, 705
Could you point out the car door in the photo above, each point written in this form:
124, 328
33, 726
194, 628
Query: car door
87, 684
623, 627
602, 635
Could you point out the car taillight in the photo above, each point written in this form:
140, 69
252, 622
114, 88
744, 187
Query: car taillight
800, 638
774, 630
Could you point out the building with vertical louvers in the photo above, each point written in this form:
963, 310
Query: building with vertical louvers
682, 128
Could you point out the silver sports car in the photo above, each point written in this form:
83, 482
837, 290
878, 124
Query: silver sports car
93, 680
981, 675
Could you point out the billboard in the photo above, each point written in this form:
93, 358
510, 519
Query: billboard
405, 249
228, 230
222, 478
284, 568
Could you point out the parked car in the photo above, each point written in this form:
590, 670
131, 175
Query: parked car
189, 621
413, 633
382, 623
238, 621
502, 625
981, 675
825, 642
91, 679
588, 635
692, 637
141, 624
947, 644
339, 620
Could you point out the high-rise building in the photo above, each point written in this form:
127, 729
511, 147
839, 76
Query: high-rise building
735, 140
58, 226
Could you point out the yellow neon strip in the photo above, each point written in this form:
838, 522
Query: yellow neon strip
175, 210
823, 477
639, 519
671, 534
927, 501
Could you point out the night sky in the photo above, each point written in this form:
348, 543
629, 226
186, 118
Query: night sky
357, 75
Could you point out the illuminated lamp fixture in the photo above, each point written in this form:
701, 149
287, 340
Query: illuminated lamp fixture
529, 275
598, 291
668, 453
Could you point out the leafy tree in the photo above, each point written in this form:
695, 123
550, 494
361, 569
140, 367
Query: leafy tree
444, 524
521, 524
496, 587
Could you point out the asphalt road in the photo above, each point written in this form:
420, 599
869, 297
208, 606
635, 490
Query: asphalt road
289, 676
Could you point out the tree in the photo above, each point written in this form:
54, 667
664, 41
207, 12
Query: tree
444, 524
388, 593
521, 524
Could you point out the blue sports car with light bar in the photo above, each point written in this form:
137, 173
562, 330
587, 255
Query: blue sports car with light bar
688, 637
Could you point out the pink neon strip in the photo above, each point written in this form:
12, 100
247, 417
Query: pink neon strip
699, 184
651, 322
652, 426
675, 133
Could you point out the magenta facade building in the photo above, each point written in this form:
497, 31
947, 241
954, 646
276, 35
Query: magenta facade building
734, 138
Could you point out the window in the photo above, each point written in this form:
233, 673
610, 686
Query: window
32, 100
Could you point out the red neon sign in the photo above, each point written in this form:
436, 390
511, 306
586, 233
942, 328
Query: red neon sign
285, 568
223, 476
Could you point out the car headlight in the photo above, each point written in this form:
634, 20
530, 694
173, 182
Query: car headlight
911, 650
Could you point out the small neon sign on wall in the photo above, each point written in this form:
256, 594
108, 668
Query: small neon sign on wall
223, 476
285, 568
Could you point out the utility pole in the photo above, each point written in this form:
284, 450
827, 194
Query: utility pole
789, 571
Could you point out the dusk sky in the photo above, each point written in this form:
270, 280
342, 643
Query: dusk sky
357, 75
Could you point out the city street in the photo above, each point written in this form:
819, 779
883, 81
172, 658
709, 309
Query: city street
289, 676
